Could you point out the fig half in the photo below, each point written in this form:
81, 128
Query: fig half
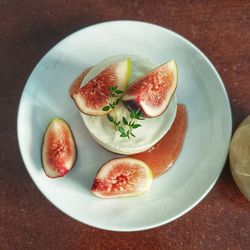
153, 92
95, 94
122, 177
58, 149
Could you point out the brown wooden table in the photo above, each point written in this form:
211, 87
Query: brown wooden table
221, 29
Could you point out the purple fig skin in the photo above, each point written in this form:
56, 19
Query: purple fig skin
133, 105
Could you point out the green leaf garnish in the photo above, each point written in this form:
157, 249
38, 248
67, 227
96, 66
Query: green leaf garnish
125, 122
106, 108
136, 125
117, 101
123, 135
121, 130
140, 118
119, 92
110, 117
137, 112
132, 134
115, 98
112, 88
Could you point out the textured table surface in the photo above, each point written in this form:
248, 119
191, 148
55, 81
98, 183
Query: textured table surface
221, 29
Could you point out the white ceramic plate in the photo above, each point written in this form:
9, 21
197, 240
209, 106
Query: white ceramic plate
206, 144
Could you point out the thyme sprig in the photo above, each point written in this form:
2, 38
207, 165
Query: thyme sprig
125, 127
115, 98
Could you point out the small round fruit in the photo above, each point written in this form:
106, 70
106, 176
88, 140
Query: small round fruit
239, 156
153, 92
122, 177
95, 94
58, 149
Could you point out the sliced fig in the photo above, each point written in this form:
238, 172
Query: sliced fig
122, 177
94, 95
58, 149
153, 92
76, 84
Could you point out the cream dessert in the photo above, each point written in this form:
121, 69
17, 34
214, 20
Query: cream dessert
151, 130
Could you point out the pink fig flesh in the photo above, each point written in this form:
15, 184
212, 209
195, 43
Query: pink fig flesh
59, 149
153, 92
122, 177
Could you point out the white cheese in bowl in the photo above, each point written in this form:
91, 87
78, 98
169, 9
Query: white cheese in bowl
151, 130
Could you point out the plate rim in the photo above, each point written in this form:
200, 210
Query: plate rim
227, 103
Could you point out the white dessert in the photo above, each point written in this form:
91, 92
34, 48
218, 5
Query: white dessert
151, 130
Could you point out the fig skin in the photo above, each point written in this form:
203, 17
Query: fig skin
61, 169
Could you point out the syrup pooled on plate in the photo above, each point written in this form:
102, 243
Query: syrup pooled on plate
164, 153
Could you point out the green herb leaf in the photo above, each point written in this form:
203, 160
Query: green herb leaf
138, 112
136, 125
138, 115
118, 91
123, 135
128, 132
112, 88
125, 122
106, 108
110, 117
132, 115
121, 130
132, 134
140, 118
117, 100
